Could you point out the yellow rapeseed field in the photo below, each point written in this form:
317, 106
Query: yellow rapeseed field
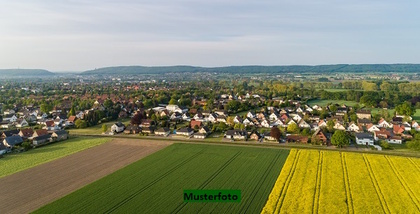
342, 182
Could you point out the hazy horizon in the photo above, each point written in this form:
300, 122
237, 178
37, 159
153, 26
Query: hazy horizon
77, 35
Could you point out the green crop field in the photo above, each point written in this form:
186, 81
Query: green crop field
326, 102
339, 182
12, 163
155, 184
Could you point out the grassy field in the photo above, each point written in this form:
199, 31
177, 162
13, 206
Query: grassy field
416, 116
325, 102
12, 163
155, 184
325, 182
377, 110
95, 129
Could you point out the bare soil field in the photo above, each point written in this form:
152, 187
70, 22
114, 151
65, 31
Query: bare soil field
30, 189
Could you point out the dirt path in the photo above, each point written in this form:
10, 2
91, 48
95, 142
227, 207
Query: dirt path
30, 189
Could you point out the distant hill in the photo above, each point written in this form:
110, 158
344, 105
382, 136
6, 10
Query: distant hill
24, 72
340, 68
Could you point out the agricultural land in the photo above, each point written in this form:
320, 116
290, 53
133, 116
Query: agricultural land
155, 184
340, 182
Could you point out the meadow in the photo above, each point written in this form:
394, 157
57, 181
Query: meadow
155, 184
340, 182
326, 102
16, 162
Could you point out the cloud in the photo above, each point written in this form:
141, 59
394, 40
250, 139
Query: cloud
79, 35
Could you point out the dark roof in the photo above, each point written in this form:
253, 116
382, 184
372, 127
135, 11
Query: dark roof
2, 146
363, 111
60, 132
164, 129
185, 129
236, 132
42, 137
13, 140
119, 124
11, 133
364, 135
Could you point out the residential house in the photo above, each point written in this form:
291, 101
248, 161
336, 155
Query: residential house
248, 122
195, 123
41, 140
303, 124
250, 115
199, 135
117, 127
323, 137
398, 129
364, 121
39, 132
186, 131
26, 133
12, 141
395, 139
297, 139
274, 116
212, 117
71, 121
372, 128
236, 134
364, 139
353, 127
51, 125
163, 131
10, 133
384, 124
60, 135
221, 119
147, 123
339, 126
132, 129
267, 136
148, 130
237, 120
322, 124
6, 124
363, 114
255, 136
265, 123
204, 130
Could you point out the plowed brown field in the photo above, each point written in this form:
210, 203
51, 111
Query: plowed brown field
28, 190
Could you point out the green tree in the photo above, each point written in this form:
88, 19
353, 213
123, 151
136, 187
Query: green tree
340, 139
414, 144
293, 128
405, 109
173, 101
72, 112
80, 124
104, 128
108, 103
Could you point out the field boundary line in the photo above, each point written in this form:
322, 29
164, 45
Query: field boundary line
209, 179
318, 182
286, 184
376, 185
349, 198
130, 197
414, 163
261, 182
404, 183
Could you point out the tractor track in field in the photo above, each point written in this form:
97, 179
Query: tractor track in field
28, 190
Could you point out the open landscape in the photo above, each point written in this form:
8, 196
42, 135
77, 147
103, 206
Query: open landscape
269, 107
155, 184
32, 188
340, 182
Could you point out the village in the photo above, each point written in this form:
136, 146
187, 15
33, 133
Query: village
297, 122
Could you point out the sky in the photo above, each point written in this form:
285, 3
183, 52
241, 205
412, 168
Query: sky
78, 35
